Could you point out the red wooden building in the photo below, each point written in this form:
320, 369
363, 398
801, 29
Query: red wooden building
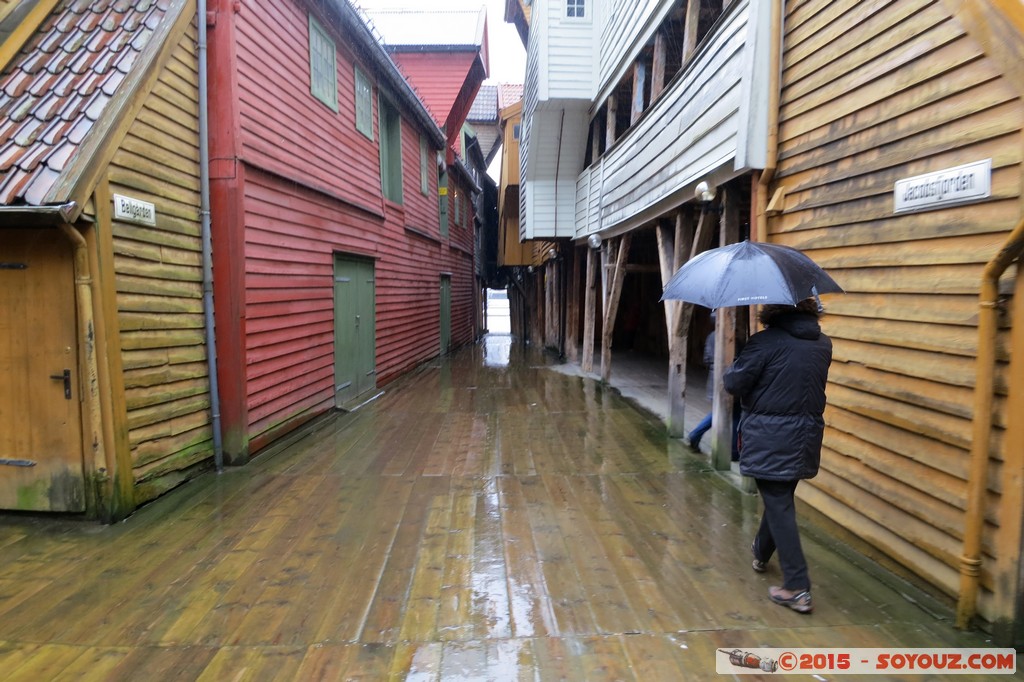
341, 261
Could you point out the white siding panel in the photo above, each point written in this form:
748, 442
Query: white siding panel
568, 47
692, 133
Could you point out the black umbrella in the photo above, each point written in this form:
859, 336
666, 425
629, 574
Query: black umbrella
749, 273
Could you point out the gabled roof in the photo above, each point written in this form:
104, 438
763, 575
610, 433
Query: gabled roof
509, 94
62, 94
485, 106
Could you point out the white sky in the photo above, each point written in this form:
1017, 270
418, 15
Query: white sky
507, 59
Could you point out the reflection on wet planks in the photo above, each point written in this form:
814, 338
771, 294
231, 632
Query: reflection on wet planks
488, 523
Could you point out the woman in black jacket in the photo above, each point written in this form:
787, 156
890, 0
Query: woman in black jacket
780, 379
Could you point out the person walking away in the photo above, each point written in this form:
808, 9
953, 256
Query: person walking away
693, 438
780, 378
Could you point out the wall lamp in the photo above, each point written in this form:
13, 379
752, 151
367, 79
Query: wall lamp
704, 192
594, 241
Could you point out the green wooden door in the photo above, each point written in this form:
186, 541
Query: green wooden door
446, 313
355, 343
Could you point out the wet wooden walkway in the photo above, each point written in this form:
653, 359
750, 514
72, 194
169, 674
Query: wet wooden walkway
477, 522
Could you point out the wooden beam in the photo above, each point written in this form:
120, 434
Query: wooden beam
725, 346
120, 486
658, 66
690, 28
609, 128
639, 82
673, 241
613, 304
572, 317
589, 312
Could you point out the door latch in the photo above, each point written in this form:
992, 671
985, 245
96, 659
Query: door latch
66, 378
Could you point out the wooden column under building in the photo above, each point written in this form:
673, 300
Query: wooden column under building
725, 346
673, 253
589, 311
572, 313
690, 28
675, 241
612, 303
658, 66
639, 82
609, 131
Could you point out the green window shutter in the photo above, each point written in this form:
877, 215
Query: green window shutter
323, 75
424, 166
390, 150
364, 104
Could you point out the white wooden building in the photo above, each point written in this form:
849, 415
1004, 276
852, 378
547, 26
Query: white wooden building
705, 122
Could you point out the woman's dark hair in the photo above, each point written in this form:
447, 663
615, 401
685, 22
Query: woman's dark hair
772, 310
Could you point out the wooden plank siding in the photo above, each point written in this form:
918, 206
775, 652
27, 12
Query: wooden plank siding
313, 190
691, 133
159, 282
438, 77
873, 92
284, 129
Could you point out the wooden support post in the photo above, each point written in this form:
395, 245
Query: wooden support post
690, 28
589, 312
725, 347
613, 304
639, 82
658, 66
572, 317
537, 323
673, 242
609, 128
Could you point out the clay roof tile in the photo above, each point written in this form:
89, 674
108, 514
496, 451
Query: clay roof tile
42, 181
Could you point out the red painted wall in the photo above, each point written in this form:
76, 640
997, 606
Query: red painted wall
312, 189
438, 77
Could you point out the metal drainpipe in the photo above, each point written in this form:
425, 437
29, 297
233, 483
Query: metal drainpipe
87, 331
772, 142
204, 213
977, 479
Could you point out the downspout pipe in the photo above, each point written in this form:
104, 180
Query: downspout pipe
204, 213
772, 140
90, 382
981, 434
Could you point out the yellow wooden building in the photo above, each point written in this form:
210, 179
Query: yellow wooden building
899, 169
105, 401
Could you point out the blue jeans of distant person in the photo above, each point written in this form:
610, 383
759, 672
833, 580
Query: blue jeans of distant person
705, 425
699, 431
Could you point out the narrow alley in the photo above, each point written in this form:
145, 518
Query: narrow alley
486, 518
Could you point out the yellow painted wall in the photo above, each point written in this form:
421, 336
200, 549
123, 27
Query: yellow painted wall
159, 283
873, 93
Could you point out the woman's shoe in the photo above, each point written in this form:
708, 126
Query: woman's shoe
758, 565
798, 600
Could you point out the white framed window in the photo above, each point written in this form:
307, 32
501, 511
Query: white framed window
364, 104
323, 75
576, 9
